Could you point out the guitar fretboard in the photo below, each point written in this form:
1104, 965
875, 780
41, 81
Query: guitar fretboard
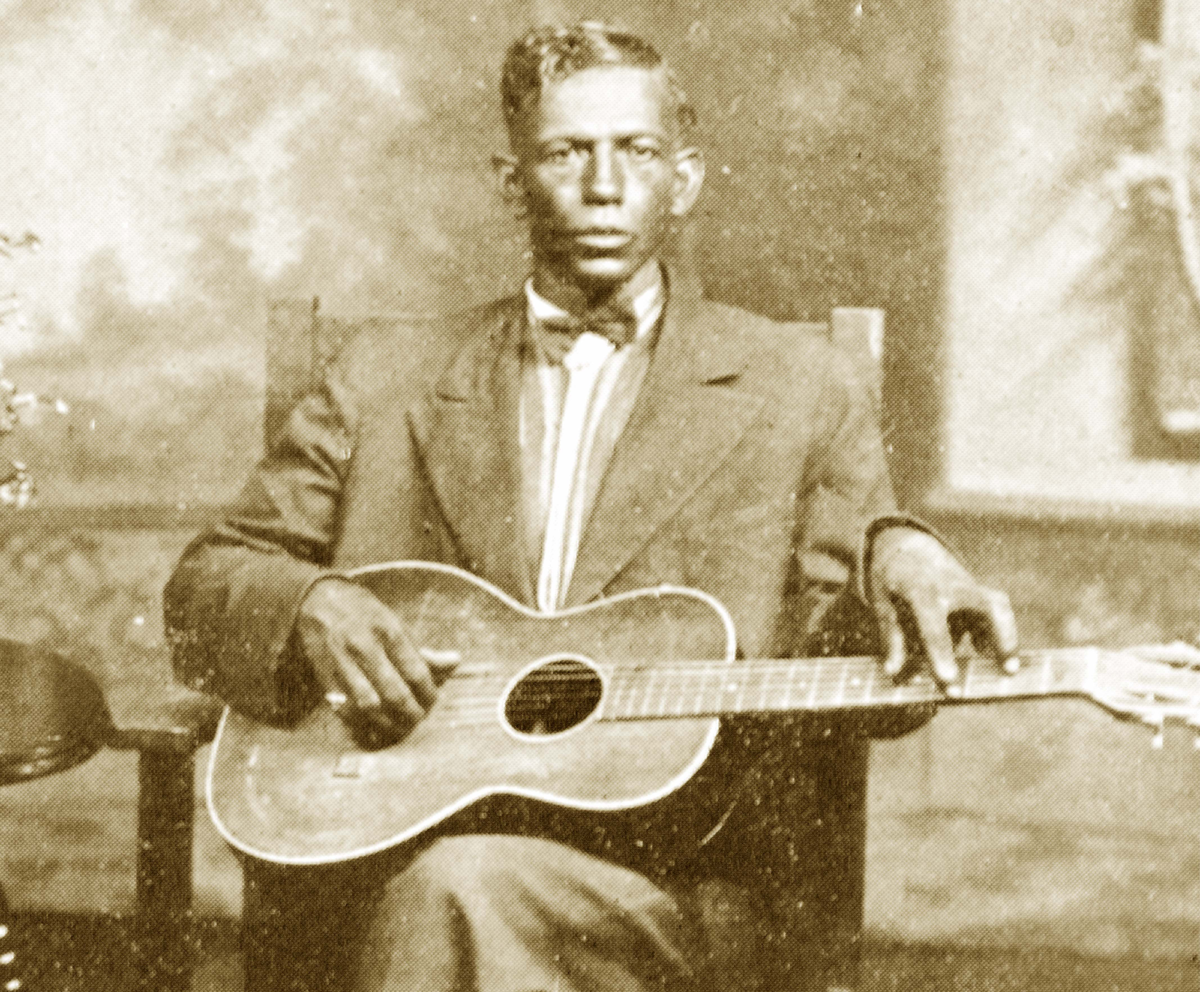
703, 688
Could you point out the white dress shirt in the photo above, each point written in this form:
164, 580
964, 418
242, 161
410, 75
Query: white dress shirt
572, 411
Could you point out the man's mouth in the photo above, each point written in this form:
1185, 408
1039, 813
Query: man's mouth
601, 239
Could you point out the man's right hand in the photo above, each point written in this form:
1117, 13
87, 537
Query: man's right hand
361, 653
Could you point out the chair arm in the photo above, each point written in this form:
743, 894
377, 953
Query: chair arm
168, 718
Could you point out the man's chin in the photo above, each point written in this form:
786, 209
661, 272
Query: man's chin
597, 274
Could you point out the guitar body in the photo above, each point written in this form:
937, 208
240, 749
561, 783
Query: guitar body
520, 716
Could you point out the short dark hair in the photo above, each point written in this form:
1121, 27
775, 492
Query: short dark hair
551, 53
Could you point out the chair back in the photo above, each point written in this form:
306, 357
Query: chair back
858, 331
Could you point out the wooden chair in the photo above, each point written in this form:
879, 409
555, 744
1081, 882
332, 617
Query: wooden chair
54, 716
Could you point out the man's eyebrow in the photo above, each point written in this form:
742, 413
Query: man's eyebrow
633, 134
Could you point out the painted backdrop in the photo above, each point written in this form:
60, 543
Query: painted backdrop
181, 164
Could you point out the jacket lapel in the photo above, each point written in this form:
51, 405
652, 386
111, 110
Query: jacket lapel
685, 422
466, 430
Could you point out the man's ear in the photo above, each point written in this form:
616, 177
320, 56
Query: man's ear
689, 177
507, 170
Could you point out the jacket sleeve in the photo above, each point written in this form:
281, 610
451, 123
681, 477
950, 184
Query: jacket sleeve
847, 486
231, 603
850, 499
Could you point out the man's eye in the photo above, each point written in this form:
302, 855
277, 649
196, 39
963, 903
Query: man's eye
559, 156
643, 153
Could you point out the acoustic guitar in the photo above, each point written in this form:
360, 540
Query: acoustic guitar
608, 706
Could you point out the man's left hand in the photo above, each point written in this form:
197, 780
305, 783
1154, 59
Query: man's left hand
920, 591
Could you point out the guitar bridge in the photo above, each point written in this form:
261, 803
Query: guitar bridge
348, 766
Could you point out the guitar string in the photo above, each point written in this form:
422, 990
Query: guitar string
827, 673
902, 694
835, 663
800, 668
757, 673
713, 702
629, 710
472, 709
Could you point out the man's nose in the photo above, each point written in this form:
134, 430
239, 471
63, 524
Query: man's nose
605, 178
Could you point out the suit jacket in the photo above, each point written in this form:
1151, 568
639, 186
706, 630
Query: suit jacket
749, 468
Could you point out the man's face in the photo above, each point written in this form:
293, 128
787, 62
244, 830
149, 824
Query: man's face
601, 175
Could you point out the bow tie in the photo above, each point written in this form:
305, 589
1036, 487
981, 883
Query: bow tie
616, 322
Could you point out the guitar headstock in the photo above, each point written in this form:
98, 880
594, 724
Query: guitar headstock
1158, 684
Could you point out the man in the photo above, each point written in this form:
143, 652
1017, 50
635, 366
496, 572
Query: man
604, 430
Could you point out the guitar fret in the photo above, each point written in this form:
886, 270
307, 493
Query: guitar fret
608, 699
679, 696
853, 682
664, 687
635, 693
789, 683
816, 680
612, 691
705, 675
783, 700
620, 683
704, 691
764, 694
648, 692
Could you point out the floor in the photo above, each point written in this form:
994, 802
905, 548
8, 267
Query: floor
71, 953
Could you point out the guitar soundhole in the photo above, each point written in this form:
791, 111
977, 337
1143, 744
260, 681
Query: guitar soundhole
553, 698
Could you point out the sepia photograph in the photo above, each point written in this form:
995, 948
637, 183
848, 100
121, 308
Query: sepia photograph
561, 496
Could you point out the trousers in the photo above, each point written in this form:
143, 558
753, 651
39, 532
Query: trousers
777, 905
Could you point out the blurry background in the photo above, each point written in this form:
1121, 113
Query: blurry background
989, 174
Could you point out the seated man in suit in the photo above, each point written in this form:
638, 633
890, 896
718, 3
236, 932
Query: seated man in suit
605, 429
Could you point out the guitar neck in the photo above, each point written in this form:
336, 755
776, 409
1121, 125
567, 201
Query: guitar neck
708, 689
